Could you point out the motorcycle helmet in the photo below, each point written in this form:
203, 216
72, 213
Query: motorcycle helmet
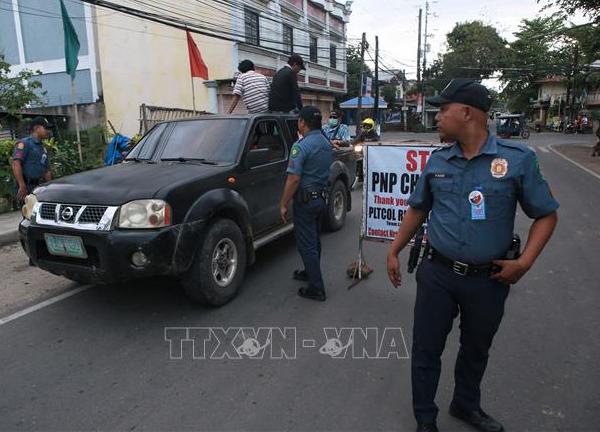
368, 125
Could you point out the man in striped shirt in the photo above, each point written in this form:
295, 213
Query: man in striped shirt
252, 87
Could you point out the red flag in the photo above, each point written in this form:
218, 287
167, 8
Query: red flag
197, 65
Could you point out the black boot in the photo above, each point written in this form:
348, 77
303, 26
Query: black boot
476, 418
300, 275
313, 294
427, 427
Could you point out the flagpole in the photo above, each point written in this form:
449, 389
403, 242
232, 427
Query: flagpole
76, 121
193, 95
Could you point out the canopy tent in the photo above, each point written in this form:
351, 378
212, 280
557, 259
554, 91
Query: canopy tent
367, 102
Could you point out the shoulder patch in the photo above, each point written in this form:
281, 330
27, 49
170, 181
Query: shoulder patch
295, 151
20, 145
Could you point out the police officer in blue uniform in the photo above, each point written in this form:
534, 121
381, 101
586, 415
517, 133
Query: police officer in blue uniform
30, 159
469, 190
307, 184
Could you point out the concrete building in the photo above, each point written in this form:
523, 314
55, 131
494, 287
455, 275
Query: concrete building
552, 93
126, 61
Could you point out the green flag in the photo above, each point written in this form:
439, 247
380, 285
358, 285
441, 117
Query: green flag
71, 42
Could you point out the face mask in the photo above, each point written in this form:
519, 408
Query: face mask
333, 122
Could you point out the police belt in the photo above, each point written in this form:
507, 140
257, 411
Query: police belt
305, 195
461, 268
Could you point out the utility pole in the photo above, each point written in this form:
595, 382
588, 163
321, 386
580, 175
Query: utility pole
419, 63
424, 117
363, 43
376, 103
404, 107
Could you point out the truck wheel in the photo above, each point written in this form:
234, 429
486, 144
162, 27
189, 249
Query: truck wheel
219, 266
337, 207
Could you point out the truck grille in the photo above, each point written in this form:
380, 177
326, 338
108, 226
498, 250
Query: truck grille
92, 214
77, 216
48, 211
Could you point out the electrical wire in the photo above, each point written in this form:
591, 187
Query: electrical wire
46, 14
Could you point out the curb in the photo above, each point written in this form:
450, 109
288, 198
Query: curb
577, 164
9, 237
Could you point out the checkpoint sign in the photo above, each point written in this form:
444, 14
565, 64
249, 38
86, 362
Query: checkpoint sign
391, 175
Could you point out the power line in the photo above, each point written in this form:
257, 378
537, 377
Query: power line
44, 14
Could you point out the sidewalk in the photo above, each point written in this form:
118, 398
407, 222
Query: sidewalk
9, 225
582, 154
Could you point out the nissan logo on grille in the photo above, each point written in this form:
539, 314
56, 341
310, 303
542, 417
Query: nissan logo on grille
66, 214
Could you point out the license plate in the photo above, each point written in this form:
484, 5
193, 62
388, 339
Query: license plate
67, 246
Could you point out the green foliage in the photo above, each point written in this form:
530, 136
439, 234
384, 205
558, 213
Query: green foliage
589, 8
7, 183
19, 91
64, 158
388, 92
353, 69
475, 50
546, 47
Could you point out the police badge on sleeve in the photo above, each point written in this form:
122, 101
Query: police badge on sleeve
499, 167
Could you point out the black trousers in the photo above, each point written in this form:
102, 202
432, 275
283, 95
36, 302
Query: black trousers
441, 296
307, 227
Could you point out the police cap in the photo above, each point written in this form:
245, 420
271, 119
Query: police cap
41, 121
464, 91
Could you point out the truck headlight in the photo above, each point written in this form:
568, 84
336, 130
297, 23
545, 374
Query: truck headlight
145, 214
358, 148
30, 207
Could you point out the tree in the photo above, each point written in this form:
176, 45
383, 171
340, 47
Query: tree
388, 92
475, 50
589, 8
546, 47
19, 91
533, 56
353, 70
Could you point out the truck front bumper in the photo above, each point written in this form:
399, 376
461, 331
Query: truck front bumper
168, 251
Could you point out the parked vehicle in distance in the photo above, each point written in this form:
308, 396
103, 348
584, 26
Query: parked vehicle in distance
510, 125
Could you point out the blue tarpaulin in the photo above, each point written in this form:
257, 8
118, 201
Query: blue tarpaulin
367, 102
116, 147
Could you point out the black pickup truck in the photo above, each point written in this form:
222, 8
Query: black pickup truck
193, 200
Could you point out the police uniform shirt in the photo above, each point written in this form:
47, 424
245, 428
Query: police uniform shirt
33, 157
333, 133
473, 202
310, 159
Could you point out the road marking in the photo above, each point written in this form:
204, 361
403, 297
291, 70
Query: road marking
577, 164
533, 148
545, 149
43, 304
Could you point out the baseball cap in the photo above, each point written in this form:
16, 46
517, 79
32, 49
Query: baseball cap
296, 58
464, 91
41, 121
310, 113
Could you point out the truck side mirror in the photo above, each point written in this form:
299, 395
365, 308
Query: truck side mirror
258, 157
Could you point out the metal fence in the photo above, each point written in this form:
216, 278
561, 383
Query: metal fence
151, 115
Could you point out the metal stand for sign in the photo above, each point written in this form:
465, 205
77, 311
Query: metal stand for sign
357, 276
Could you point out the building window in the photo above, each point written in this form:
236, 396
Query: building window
288, 39
333, 56
251, 24
313, 50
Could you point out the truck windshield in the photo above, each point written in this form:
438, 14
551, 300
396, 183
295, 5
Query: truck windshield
144, 150
217, 140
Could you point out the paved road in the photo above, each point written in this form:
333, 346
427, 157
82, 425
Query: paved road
99, 359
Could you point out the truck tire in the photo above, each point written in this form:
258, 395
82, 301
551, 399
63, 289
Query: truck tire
219, 266
337, 206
